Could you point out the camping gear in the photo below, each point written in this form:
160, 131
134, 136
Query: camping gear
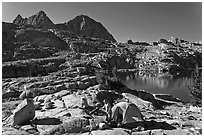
124, 112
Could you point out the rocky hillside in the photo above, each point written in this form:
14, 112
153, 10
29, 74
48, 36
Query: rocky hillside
8, 35
38, 20
38, 37
19, 44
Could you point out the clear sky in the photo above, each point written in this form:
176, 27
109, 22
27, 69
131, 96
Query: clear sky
124, 20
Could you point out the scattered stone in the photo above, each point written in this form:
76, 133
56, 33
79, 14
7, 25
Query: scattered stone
67, 114
48, 98
87, 133
86, 79
30, 129
187, 124
84, 103
71, 85
93, 80
13, 131
37, 105
83, 86
139, 128
75, 125
60, 87
49, 105
141, 133
40, 99
114, 131
11, 93
103, 126
94, 89
72, 100
172, 122
62, 93
93, 125
177, 131
199, 131
191, 118
195, 109
164, 113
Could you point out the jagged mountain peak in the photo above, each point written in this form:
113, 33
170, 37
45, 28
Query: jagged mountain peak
18, 19
80, 25
83, 15
41, 12
40, 19
84, 25
19, 16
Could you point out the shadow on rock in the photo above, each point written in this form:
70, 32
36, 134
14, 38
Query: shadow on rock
149, 125
90, 110
33, 131
47, 121
158, 104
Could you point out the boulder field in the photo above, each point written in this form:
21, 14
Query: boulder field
58, 101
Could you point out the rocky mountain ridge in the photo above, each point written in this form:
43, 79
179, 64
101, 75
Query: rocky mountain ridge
38, 20
80, 25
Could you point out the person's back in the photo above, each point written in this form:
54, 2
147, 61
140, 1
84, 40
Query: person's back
107, 107
123, 105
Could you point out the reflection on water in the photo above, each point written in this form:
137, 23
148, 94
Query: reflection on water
155, 83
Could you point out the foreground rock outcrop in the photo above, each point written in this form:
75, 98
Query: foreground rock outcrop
177, 118
23, 113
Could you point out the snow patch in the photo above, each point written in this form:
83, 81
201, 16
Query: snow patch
82, 24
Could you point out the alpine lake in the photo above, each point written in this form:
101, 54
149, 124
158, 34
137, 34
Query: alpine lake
152, 82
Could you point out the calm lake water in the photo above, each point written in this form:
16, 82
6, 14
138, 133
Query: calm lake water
176, 86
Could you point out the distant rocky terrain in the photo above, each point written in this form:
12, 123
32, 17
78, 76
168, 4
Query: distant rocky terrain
62, 61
